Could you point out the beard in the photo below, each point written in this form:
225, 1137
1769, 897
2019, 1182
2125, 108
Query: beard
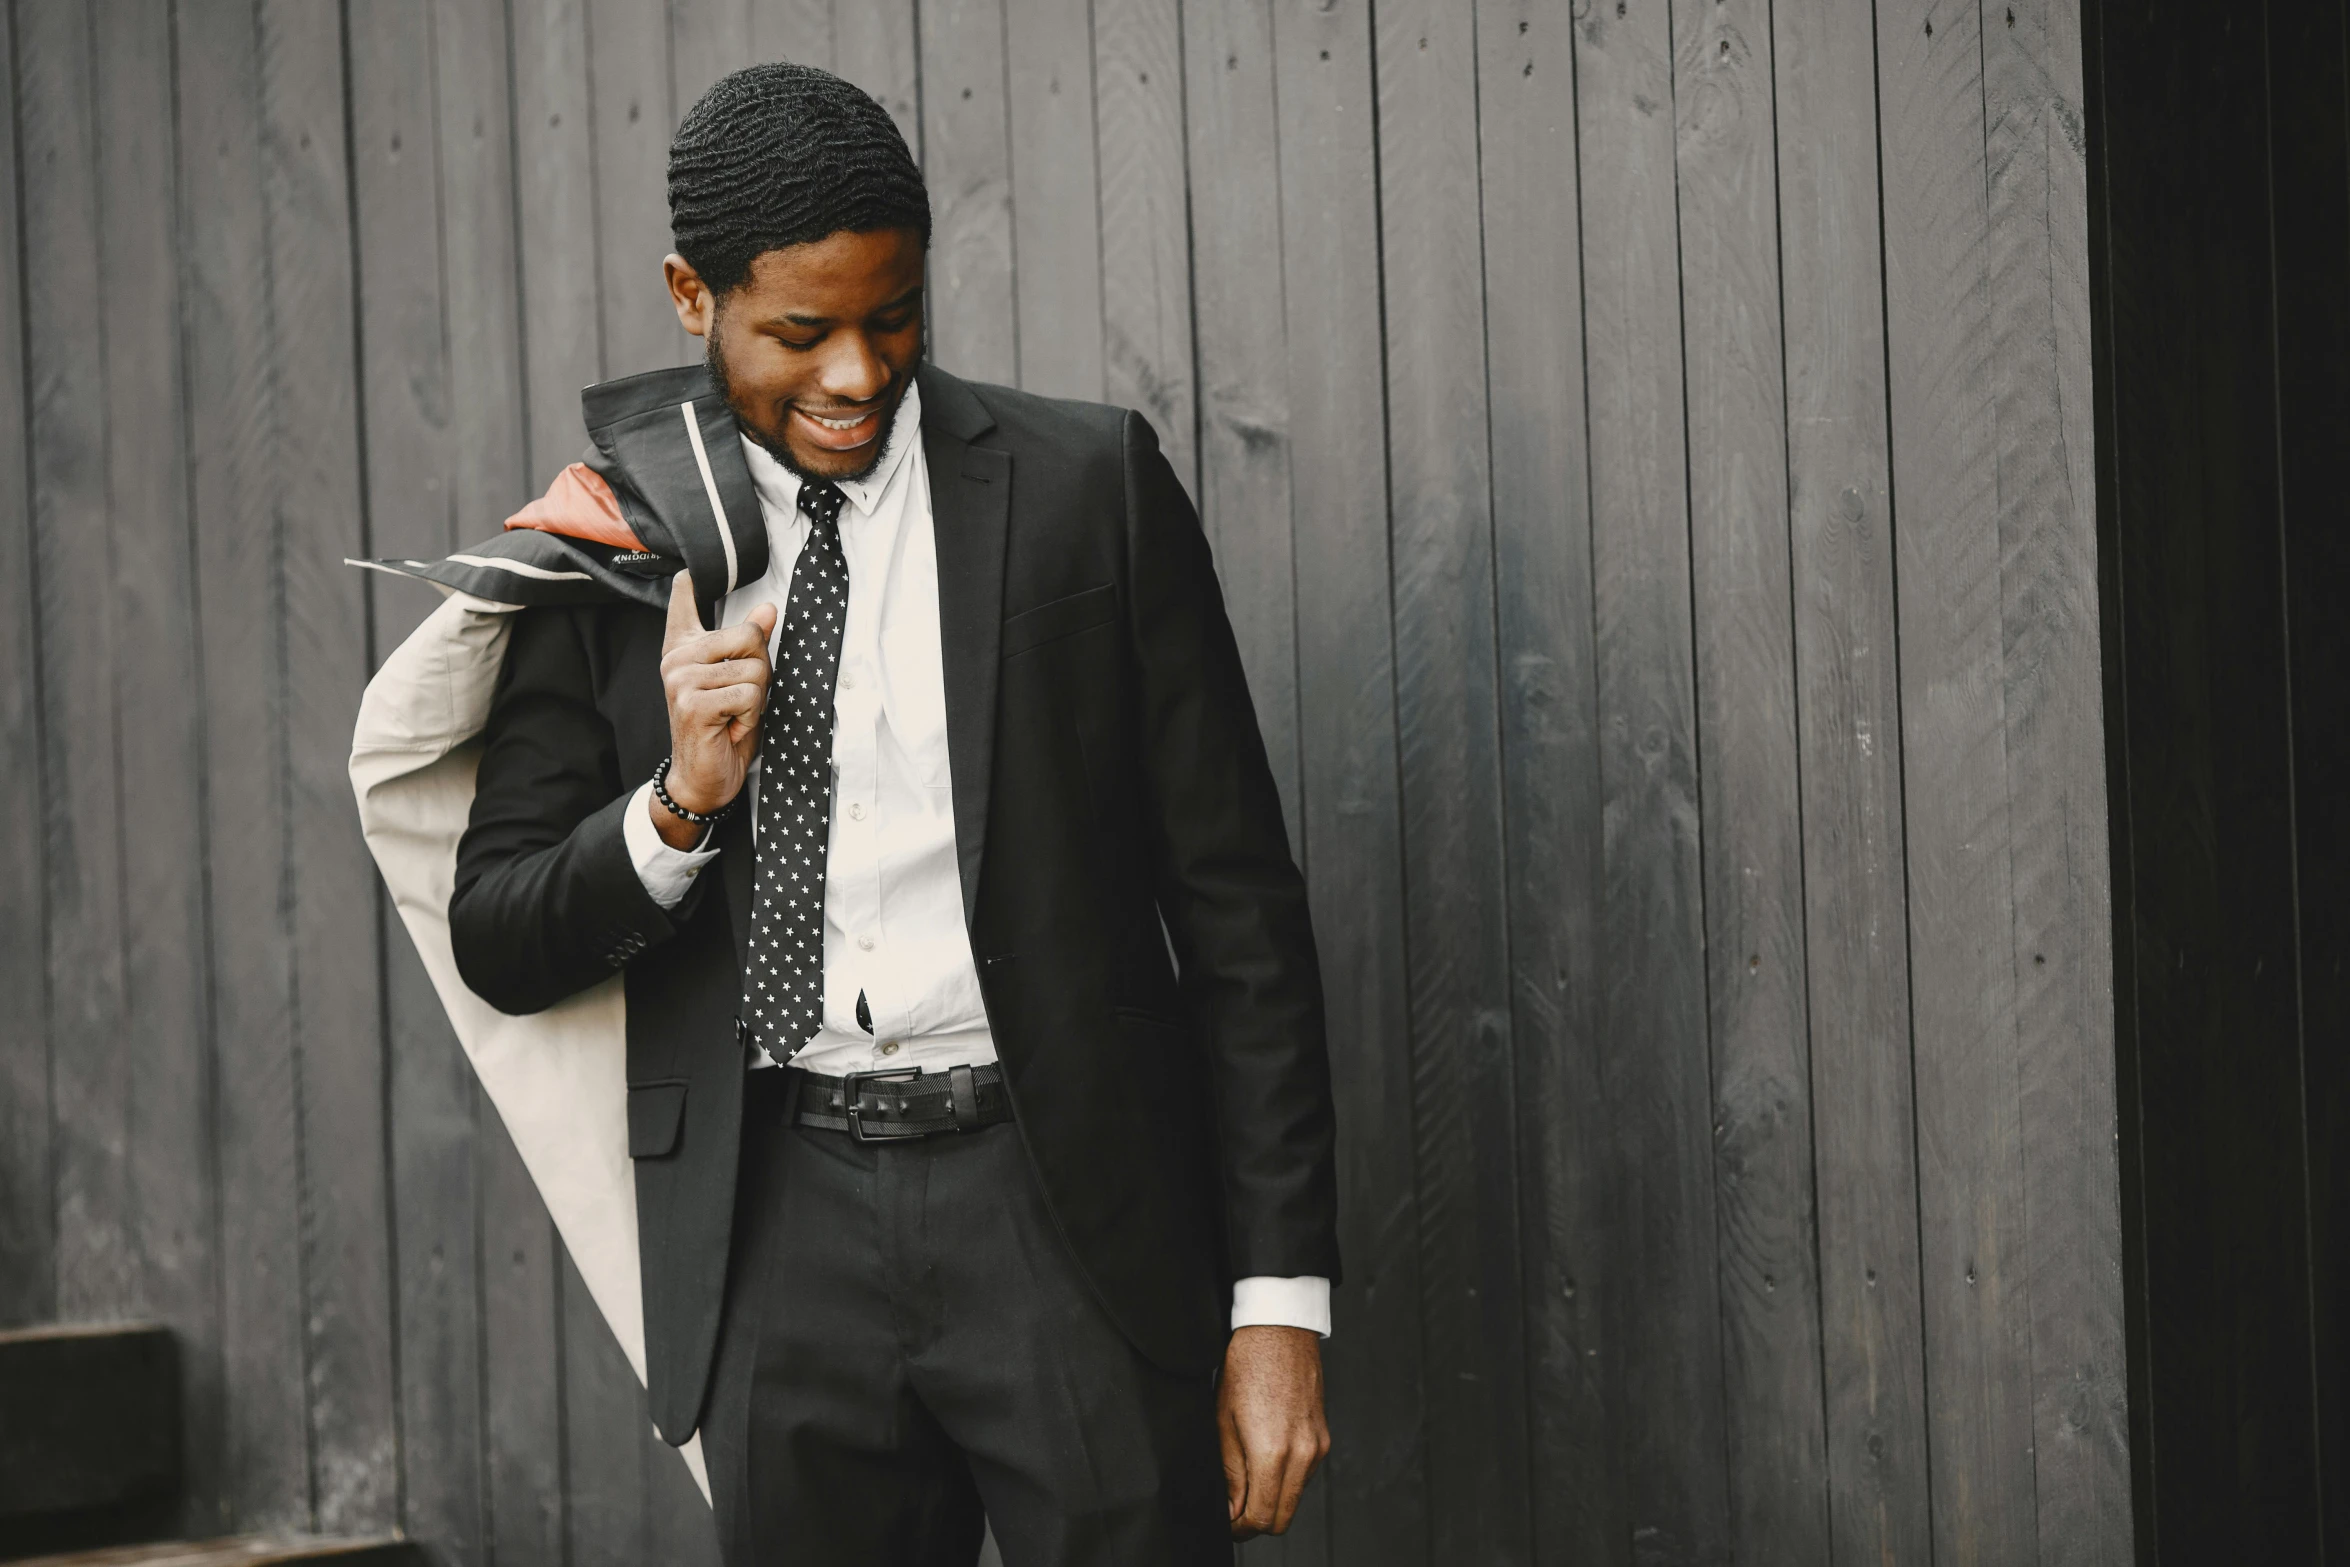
715, 357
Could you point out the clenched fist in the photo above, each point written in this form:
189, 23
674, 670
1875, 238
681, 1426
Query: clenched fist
716, 685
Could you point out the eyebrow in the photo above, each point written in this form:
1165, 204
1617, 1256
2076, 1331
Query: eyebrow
792, 318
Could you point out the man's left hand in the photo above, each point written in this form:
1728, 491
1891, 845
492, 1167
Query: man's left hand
1269, 1407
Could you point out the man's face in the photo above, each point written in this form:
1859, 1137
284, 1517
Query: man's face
815, 349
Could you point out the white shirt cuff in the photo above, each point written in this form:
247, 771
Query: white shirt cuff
1264, 1301
668, 874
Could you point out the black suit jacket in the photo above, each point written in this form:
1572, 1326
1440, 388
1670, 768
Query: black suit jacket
1111, 800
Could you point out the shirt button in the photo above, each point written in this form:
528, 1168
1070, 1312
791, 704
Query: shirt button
856, 813
890, 1049
848, 682
864, 943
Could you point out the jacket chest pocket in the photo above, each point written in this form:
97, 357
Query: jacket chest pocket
1059, 619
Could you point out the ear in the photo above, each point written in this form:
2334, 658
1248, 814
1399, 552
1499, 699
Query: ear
696, 305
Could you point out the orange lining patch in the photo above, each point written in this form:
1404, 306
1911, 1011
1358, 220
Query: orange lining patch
579, 505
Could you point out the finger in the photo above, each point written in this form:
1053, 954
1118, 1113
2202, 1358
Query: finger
685, 617
1235, 1471
723, 672
1294, 1473
1266, 1466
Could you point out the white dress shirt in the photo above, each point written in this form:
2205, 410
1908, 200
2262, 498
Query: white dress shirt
893, 891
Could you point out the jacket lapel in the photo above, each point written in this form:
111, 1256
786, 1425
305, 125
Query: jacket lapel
734, 843
970, 498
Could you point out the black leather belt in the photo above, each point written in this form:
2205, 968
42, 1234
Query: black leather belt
881, 1107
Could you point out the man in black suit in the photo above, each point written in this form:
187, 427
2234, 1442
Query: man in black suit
980, 1112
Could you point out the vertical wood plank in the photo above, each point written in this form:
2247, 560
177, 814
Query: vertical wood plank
873, 45
81, 651
1377, 1480
1447, 734
1848, 696
346, 1220
233, 421
405, 379
800, 31
555, 209
164, 1113
27, 1215
1146, 240
966, 158
524, 1371
629, 77
707, 39
604, 1416
1727, 176
1244, 483
1663, 1290
2061, 953
1962, 977
1550, 763
1056, 210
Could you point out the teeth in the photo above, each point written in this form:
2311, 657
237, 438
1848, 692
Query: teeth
838, 424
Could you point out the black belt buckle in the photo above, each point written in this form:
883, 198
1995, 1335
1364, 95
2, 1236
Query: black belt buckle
854, 1083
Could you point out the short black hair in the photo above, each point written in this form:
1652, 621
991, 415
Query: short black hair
785, 154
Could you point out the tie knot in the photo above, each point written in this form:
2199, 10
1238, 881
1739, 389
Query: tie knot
822, 500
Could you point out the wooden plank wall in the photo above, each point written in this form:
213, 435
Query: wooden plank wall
1646, 446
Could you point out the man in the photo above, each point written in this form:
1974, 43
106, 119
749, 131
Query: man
977, 1089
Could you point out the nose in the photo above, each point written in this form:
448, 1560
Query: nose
853, 372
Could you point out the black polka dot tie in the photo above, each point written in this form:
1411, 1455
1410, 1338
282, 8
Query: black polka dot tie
783, 994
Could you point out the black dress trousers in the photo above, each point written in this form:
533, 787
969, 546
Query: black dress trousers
907, 1345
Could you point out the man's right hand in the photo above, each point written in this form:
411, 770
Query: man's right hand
716, 685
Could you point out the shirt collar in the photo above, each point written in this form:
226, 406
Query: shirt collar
779, 487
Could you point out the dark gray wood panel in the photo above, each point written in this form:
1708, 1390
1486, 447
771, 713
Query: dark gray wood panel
2059, 848
27, 1203
1055, 199
1955, 769
1752, 826
1656, 1080
235, 417
1549, 757
1440, 530
412, 414
1377, 1501
161, 1126
338, 1003
1146, 238
1839, 475
967, 159
1530, 362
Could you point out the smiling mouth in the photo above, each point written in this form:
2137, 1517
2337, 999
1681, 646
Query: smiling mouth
839, 433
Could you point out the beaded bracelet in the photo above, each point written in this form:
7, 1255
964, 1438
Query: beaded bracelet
697, 818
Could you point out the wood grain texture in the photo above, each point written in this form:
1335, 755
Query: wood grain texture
1550, 765
2054, 714
605, 1422
316, 488
1440, 527
1057, 238
1146, 239
412, 417
633, 110
1656, 1079
1955, 767
82, 655
1376, 1482
1750, 782
1245, 480
236, 414
875, 46
967, 160
1856, 934
28, 1280
164, 1105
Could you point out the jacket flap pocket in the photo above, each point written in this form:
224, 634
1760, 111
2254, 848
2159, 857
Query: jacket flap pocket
1063, 617
656, 1114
